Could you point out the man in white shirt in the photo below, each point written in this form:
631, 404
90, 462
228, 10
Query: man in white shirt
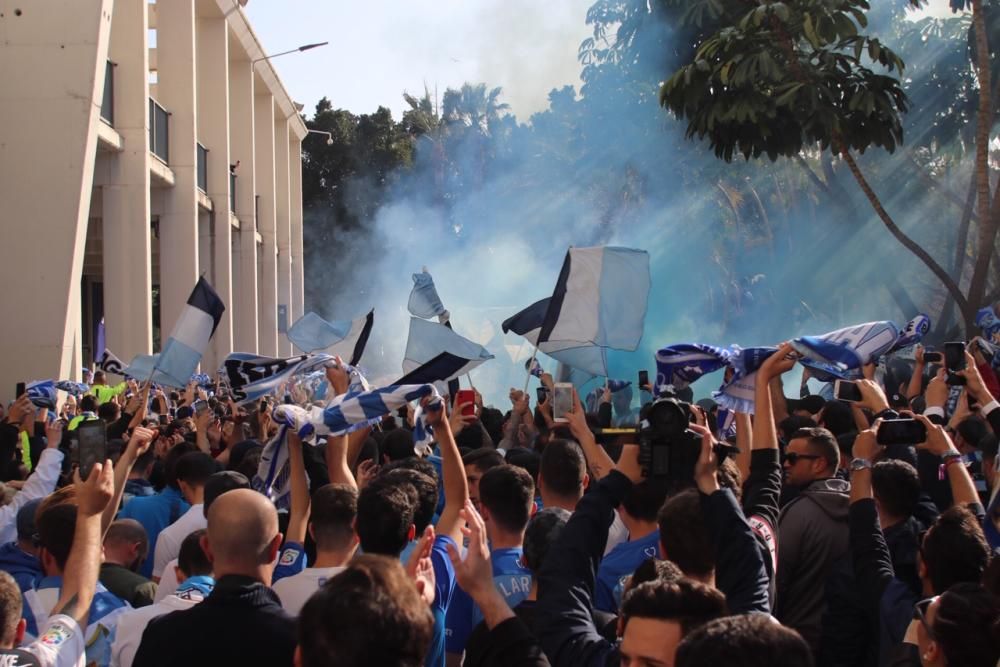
194, 574
193, 470
60, 640
334, 508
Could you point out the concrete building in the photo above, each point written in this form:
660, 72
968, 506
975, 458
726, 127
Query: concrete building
142, 144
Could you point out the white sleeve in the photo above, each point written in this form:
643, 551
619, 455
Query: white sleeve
38, 485
60, 643
162, 553
168, 582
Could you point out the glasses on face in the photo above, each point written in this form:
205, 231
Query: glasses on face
793, 457
921, 608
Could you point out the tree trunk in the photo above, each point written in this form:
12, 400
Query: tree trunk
987, 223
961, 246
894, 229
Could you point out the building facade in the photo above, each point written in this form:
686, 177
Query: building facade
142, 144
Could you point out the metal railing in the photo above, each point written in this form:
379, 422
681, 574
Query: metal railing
108, 99
232, 192
202, 168
159, 130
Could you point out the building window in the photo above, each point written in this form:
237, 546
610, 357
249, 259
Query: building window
202, 168
108, 100
159, 130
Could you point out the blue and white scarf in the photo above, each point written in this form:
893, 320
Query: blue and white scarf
679, 365
839, 352
912, 333
273, 477
725, 422
73, 388
737, 395
42, 394
353, 408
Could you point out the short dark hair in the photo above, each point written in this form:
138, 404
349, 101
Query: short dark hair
954, 550
471, 436
838, 418
10, 608
369, 614
528, 459
108, 411
966, 626
789, 425
687, 602
397, 444
191, 558
508, 492
812, 403
412, 463
483, 458
989, 443
972, 429
750, 640
563, 467
654, 569
822, 442
684, 536
385, 514
195, 468
427, 493
643, 500
56, 526
129, 531
896, 485
542, 532
334, 509
171, 459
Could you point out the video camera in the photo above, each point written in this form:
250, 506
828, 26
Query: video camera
668, 449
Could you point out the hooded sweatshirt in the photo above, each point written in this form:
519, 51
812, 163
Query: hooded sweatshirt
25, 568
812, 537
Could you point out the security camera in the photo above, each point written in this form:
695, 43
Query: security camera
329, 141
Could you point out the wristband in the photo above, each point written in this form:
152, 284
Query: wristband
948, 460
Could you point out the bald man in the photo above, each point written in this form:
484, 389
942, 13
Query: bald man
241, 622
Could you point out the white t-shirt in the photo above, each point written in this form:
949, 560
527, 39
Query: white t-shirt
294, 591
60, 643
168, 544
133, 623
168, 582
617, 533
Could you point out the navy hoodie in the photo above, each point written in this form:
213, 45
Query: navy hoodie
25, 568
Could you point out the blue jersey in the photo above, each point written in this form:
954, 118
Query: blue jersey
618, 565
444, 592
510, 577
292, 561
155, 513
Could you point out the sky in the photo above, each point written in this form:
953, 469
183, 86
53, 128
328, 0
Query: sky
381, 48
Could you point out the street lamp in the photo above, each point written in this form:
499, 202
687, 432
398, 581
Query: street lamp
304, 47
329, 137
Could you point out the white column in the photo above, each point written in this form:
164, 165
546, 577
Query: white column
241, 140
264, 179
213, 133
283, 230
298, 278
52, 61
128, 298
175, 51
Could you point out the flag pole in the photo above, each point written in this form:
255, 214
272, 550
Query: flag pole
530, 364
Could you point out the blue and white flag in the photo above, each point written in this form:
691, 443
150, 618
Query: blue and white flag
839, 352
42, 394
427, 340
617, 385
737, 395
533, 367
274, 473
725, 421
251, 377
589, 359
70, 387
354, 408
600, 298
592, 402
194, 328
912, 333
575, 375
988, 323
346, 339
146, 366
202, 379
424, 300
680, 365
109, 363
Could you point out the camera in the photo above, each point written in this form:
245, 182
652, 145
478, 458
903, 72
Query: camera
668, 449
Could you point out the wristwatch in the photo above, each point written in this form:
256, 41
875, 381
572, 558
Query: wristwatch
860, 464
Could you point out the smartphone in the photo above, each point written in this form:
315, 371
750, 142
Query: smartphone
466, 396
540, 394
643, 379
200, 407
19, 390
933, 358
93, 447
562, 400
954, 360
901, 432
845, 390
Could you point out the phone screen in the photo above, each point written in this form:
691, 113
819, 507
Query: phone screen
93, 447
643, 379
901, 432
562, 400
954, 356
540, 394
19, 390
846, 390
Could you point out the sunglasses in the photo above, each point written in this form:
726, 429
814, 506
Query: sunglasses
921, 608
793, 457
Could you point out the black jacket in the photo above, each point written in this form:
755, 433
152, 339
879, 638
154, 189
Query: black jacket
240, 623
761, 497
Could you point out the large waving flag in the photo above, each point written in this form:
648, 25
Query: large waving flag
839, 352
428, 340
424, 300
528, 323
194, 328
146, 366
346, 339
599, 299
251, 377
109, 363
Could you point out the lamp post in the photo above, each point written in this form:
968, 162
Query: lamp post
329, 137
304, 47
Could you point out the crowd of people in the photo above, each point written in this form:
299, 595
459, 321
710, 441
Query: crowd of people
795, 538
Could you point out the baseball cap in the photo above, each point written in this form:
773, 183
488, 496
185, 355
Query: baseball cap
26, 519
221, 482
542, 532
